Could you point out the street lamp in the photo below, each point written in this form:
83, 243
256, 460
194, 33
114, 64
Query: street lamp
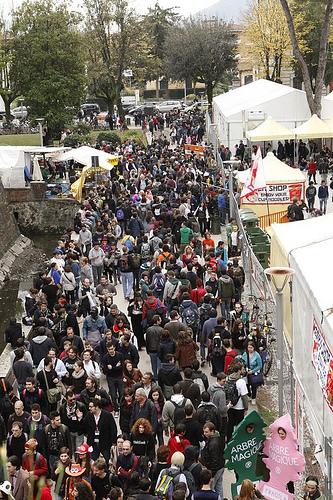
40, 122
280, 277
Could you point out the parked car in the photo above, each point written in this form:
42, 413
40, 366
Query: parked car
89, 107
145, 109
166, 106
21, 112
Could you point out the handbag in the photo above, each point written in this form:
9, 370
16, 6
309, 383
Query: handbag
53, 395
254, 378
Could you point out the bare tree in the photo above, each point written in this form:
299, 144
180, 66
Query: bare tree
314, 100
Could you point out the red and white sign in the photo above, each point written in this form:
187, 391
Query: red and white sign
256, 178
322, 360
276, 194
194, 148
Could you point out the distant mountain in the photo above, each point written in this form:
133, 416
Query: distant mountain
229, 10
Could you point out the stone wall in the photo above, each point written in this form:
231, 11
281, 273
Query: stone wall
9, 230
46, 216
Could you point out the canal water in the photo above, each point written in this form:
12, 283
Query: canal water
13, 293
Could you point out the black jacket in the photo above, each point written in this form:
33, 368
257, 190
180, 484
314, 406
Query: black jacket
107, 430
153, 337
87, 396
129, 352
168, 375
57, 438
212, 454
147, 411
70, 419
191, 390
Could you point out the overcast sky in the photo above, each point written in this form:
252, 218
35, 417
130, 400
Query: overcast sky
186, 7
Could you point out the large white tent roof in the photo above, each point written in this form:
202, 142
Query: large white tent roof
270, 130
275, 172
252, 95
84, 154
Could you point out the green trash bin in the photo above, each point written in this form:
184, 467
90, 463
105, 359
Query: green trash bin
249, 220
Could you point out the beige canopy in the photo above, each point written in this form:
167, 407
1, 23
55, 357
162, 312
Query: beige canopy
314, 128
270, 130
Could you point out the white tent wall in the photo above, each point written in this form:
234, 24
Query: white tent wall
311, 398
232, 112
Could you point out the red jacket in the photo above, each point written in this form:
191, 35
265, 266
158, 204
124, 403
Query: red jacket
177, 443
36, 463
312, 168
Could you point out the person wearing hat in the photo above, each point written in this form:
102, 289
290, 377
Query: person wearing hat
74, 473
18, 478
312, 489
83, 452
34, 462
6, 490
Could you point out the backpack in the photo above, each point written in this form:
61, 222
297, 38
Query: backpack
123, 263
136, 259
158, 282
231, 392
165, 487
207, 414
120, 214
200, 383
128, 244
217, 345
179, 412
190, 316
145, 251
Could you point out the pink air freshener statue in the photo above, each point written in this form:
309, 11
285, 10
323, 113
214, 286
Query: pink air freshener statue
283, 460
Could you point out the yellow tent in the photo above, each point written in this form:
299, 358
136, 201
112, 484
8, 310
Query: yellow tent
77, 186
314, 128
270, 130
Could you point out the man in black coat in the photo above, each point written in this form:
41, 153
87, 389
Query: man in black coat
212, 455
100, 428
143, 408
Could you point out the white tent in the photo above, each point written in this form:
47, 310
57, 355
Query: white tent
246, 107
84, 154
314, 128
307, 247
269, 130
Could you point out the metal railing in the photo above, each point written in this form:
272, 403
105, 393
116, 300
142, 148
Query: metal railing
266, 220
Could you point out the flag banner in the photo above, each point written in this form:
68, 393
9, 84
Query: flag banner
256, 179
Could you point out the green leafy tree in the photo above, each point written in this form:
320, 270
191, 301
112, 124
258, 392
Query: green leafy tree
157, 23
313, 84
267, 32
9, 89
116, 42
201, 50
49, 61
307, 16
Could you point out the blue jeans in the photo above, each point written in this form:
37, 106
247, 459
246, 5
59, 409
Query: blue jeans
127, 282
225, 308
218, 482
155, 363
323, 204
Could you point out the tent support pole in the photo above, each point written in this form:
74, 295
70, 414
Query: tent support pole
267, 205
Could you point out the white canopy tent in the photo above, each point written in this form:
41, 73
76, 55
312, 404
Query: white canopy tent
314, 128
84, 154
14, 159
275, 171
242, 109
310, 328
269, 130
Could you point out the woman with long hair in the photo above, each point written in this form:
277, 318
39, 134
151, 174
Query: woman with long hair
253, 365
58, 473
186, 350
131, 375
126, 407
239, 336
79, 377
248, 491
157, 397
82, 492
142, 438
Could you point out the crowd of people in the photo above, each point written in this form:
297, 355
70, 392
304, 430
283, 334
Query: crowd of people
138, 273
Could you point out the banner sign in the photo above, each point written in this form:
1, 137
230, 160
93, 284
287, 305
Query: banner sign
276, 194
322, 360
283, 460
194, 148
